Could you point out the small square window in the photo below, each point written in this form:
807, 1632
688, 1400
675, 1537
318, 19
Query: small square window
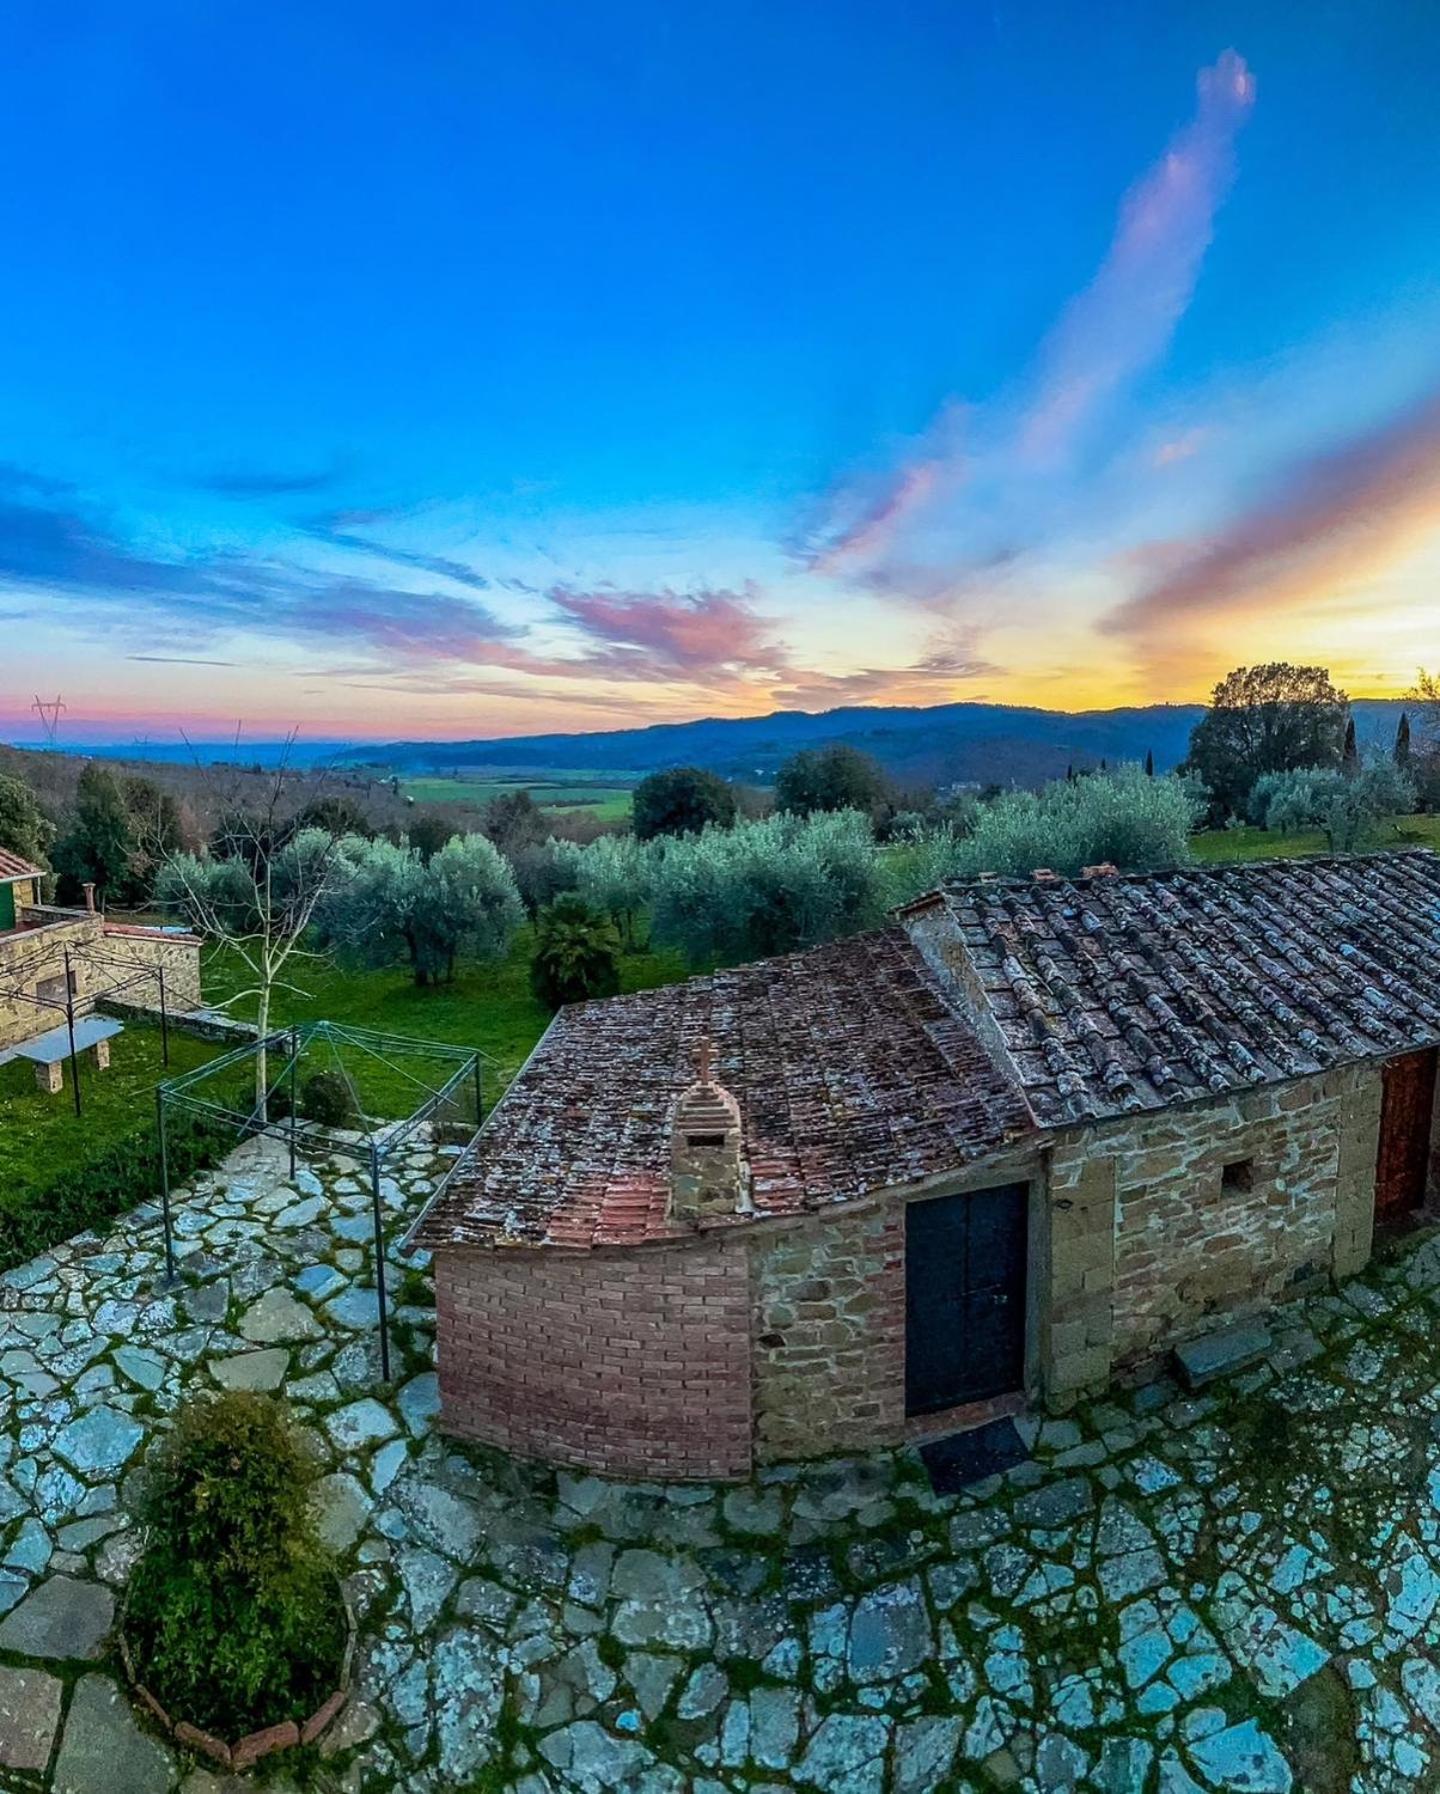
1238, 1175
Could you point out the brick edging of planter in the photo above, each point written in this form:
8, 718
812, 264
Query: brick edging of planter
255, 1745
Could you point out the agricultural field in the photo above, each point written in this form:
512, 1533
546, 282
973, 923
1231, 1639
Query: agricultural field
605, 802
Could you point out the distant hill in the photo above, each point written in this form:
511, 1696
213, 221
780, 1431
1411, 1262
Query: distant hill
936, 745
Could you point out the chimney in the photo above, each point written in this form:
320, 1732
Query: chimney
708, 1174
1106, 869
89, 891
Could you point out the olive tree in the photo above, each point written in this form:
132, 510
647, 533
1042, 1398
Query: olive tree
768, 887
395, 904
616, 875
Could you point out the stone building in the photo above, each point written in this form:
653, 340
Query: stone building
1032, 1134
46, 952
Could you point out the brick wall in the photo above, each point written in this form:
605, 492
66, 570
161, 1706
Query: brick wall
630, 1363
829, 1354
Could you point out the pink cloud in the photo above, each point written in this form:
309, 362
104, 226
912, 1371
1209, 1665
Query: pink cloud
934, 466
1108, 334
667, 634
1124, 319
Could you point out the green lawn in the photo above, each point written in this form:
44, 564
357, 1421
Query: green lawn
1229, 844
487, 1006
41, 1137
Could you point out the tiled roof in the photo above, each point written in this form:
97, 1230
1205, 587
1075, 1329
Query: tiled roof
852, 1072
1126, 993
12, 867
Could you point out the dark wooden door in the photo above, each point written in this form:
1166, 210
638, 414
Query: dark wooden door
1407, 1109
964, 1297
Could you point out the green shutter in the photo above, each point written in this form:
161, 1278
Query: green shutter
7, 908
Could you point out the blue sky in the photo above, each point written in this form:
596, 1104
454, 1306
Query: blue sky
467, 370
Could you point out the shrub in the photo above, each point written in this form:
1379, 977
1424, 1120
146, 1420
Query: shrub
234, 1618
576, 950
323, 1097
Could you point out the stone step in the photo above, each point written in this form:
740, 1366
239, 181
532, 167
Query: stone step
1221, 1354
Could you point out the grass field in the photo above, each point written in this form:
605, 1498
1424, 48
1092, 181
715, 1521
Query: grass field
41, 1136
1230, 844
608, 803
487, 1006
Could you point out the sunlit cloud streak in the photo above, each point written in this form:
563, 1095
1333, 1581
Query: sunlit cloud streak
340, 529
1330, 521
1123, 321
930, 527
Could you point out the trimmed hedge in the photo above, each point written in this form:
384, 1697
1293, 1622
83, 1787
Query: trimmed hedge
121, 1177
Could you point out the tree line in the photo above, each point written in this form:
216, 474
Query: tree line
1277, 748
283, 873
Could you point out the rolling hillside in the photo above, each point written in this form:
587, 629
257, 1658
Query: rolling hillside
999, 743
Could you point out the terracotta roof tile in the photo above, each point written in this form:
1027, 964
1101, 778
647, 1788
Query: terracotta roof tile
1115, 994
852, 1072
12, 867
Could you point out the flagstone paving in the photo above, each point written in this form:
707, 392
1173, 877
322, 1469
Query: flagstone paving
1236, 1593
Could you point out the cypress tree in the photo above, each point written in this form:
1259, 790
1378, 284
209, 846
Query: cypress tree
1402, 743
1350, 757
1149, 763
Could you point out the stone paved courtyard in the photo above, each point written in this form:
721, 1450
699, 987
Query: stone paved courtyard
1234, 1592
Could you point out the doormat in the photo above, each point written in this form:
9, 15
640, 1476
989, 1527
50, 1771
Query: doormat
966, 1458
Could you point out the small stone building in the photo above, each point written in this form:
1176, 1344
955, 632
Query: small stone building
1034, 1133
46, 951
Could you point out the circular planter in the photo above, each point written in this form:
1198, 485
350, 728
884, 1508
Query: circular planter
250, 1749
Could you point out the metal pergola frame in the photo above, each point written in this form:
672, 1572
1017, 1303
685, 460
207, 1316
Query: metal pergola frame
75, 955
375, 1149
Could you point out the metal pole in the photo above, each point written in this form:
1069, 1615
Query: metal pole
479, 1104
380, 1261
164, 1020
165, 1183
294, 1057
70, 1024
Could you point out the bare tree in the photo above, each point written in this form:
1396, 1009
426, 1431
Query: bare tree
256, 888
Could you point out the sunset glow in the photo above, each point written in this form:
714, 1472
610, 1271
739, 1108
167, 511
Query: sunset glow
1101, 357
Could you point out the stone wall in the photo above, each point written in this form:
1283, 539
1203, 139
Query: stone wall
635, 1363
34, 956
1152, 1241
177, 955
829, 1348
